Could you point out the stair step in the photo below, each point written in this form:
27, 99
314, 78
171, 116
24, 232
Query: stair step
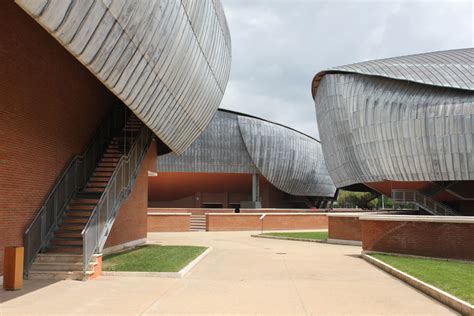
109, 159
59, 275
66, 241
67, 249
79, 213
75, 220
104, 169
68, 234
107, 164
81, 207
84, 201
63, 258
102, 174
71, 226
96, 185
57, 266
112, 155
99, 179
94, 190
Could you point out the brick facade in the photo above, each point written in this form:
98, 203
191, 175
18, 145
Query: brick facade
203, 211
131, 222
422, 238
169, 222
242, 222
50, 105
344, 227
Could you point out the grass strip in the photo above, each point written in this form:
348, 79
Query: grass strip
152, 258
301, 235
456, 278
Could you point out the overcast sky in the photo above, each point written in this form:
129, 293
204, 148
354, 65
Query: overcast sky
279, 45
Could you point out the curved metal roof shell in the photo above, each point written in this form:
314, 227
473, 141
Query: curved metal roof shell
239, 143
375, 128
291, 161
168, 61
450, 69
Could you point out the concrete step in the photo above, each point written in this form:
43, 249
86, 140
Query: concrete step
99, 178
56, 266
102, 174
96, 184
106, 164
109, 159
104, 169
75, 220
59, 275
65, 233
71, 226
66, 241
63, 258
93, 190
117, 156
66, 249
81, 207
79, 213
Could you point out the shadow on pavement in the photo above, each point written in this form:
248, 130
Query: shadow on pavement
28, 287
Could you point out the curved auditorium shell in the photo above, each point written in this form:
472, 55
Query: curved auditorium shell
168, 61
236, 143
399, 123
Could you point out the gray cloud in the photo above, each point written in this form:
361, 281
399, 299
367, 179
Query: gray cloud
279, 45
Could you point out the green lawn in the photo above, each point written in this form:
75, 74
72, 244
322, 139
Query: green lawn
456, 278
152, 258
302, 235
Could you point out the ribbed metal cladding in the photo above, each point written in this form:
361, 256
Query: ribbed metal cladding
168, 60
220, 149
238, 143
291, 161
451, 69
375, 129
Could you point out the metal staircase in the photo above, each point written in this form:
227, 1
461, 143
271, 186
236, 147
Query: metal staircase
425, 202
76, 218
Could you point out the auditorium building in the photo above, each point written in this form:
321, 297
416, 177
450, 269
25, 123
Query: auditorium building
90, 92
242, 161
403, 127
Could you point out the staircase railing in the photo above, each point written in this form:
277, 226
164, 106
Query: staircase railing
74, 177
429, 204
97, 229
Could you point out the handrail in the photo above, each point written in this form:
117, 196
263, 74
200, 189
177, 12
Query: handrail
74, 176
421, 200
55, 188
97, 228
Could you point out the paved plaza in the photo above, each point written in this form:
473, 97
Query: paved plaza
241, 275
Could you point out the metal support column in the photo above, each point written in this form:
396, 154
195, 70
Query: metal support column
255, 188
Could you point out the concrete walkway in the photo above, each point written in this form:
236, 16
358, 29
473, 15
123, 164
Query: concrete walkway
242, 275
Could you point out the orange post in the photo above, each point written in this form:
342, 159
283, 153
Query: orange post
13, 268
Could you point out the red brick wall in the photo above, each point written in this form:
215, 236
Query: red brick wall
236, 222
345, 228
169, 223
202, 211
49, 107
131, 222
430, 239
